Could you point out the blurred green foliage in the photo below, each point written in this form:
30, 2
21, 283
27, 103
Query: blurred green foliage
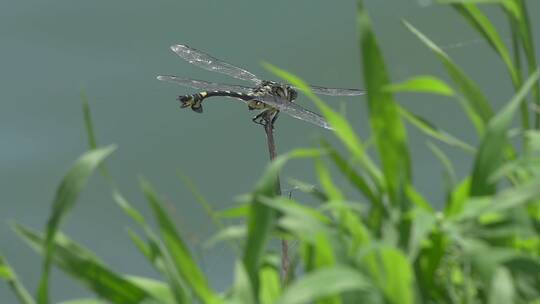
392, 246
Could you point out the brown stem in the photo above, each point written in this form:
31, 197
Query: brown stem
285, 261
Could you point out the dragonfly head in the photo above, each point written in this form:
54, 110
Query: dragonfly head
292, 94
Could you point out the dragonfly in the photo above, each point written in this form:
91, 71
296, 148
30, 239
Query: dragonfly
269, 97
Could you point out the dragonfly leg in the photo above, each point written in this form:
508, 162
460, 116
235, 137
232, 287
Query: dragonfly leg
275, 117
266, 117
260, 119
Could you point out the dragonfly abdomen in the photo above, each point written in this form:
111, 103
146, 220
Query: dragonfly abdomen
195, 100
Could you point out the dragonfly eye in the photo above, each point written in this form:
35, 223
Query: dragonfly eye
291, 93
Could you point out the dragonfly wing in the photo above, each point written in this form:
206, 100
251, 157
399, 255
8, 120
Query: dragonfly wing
210, 63
295, 110
205, 85
336, 91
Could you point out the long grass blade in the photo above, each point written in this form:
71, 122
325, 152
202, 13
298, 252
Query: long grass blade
261, 218
475, 103
179, 253
480, 22
242, 291
510, 5
347, 169
84, 266
522, 36
431, 130
66, 196
392, 273
7, 274
157, 289
494, 144
450, 178
484, 27
389, 132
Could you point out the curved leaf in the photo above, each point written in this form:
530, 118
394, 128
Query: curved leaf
422, 84
475, 103
323, 283
494, 143
66, 196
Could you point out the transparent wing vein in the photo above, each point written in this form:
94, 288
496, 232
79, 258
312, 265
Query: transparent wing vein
210, 63
295, 110
205, 85
336, 91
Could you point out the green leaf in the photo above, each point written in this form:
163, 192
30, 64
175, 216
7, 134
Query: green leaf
202, 201
431, 260
303, 222
261, 218
242, 291
458, 198
495, 142
325, 282
522, 25
484, 27
66, 196
392, 273
533, 138
449, 173
234, 212
144, 248
154, 250
502, 287
486, 259
389, 132
325, 180
84, 301
270, 284
422, 84
177, 250
503, 202
7, 274
81, 264
508, 4
423, 223
481, 23
91, 136
418, 200
347, 169
431, 130
159, 290
237, 232
128, 209
475, 104
89, 127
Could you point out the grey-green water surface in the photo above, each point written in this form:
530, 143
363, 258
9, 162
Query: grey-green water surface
51, 50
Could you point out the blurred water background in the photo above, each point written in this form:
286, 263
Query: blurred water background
112, 50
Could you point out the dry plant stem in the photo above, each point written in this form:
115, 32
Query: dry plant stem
285, 261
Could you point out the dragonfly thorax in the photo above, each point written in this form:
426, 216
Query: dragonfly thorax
273, 88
